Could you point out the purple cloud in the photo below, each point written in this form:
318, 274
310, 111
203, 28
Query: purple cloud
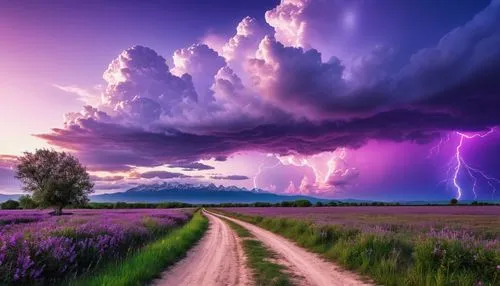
8, 161
191, 166
112, 187
106, 178
201, 63
162, 175
230, 177
284, 100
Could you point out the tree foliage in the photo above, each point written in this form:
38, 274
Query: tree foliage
9, 205
55, 179
26, 202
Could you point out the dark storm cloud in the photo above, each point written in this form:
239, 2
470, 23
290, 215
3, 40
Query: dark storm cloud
191, 166
156, 118
303, 137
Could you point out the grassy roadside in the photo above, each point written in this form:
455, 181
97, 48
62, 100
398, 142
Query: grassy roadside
146, 264
388, 260
265, 272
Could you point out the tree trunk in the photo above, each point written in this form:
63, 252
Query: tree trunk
58, 210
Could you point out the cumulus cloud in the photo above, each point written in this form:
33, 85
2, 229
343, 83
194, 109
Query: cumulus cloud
230, 177
309, 23
306, 187
243, 44
292, 75
201, 63
295, 101
330, 172
289, 19
343, 177
141, 88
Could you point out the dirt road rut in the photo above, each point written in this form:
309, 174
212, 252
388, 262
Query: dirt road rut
218, 259
308, 268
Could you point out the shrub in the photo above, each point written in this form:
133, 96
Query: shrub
10, 205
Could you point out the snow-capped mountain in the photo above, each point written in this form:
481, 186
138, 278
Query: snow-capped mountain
195, 193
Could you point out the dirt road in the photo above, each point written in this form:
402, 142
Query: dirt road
309, 268
218, 259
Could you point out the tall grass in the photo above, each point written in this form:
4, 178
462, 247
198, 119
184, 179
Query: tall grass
146, 264
391, 260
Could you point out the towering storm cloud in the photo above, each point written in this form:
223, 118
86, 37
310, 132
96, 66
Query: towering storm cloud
277, 88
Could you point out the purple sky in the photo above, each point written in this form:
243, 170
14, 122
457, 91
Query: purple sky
345, 99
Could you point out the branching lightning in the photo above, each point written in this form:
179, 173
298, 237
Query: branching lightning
458, 165
323, 165
318, 163
437, 148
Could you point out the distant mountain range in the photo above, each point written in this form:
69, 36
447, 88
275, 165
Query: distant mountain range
4, 197
208, 194
196, 194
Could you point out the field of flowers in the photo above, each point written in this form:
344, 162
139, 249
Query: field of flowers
405, 245
37, 248
481, 222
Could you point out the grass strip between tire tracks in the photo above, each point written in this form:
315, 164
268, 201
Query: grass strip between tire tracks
260, 259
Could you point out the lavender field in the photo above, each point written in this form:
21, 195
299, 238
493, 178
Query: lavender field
405, 245
37, 248
481, 221
469, 225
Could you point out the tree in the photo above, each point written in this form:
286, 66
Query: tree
26, 202
453, 202
302, 203
10, 205
56, 179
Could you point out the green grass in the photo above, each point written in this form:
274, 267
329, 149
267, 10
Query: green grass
259, 259
146, 264
390, 260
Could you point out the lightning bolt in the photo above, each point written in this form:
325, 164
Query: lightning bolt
459, 165
324, 165
316, 163
437, 148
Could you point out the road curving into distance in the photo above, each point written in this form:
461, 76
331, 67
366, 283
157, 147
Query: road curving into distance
217, 259
308, 268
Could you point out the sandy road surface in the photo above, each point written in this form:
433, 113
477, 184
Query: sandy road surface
218, 259
309, 268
